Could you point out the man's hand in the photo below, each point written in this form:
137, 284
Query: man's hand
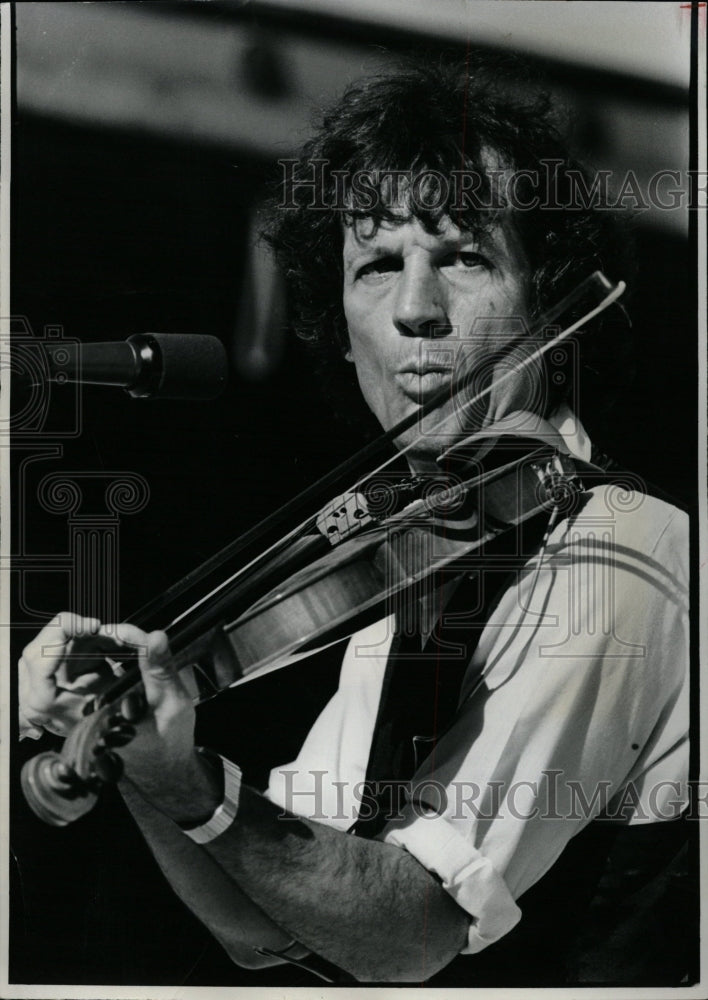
61, 668
161, 761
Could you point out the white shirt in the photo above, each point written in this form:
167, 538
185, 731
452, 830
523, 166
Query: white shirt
575, 701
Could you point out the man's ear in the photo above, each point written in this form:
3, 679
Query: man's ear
346, 345
341, 331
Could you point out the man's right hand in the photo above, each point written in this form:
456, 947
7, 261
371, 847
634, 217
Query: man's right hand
59, 669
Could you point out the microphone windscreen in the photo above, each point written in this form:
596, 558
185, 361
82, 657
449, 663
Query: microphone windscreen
193, 366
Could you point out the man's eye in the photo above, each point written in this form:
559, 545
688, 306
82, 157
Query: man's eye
379, 268
465, 260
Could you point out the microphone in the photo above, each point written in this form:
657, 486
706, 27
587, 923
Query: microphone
146, 365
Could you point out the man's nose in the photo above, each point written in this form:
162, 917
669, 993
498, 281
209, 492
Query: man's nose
420, 308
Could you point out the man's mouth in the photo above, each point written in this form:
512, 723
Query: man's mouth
420, 382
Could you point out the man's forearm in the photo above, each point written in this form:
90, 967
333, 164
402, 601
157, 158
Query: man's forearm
234, 919
367, 907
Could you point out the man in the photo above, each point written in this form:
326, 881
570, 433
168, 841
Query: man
426, 226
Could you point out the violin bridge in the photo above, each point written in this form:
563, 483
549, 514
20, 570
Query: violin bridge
344, 516
378, 499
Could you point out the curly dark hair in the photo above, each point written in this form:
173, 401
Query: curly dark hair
443, 118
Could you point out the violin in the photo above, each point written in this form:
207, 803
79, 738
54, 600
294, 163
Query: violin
271, 598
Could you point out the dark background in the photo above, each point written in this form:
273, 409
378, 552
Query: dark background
117, 230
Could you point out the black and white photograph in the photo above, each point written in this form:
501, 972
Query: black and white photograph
353, 444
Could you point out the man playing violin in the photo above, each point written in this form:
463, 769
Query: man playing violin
412, 256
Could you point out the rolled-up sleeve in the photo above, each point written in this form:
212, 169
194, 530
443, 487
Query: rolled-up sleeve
465, 873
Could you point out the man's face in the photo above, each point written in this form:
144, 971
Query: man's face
421, 308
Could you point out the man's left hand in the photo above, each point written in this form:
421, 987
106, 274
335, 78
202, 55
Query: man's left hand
161, 761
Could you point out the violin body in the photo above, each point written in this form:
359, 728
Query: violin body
360, 580
351, 585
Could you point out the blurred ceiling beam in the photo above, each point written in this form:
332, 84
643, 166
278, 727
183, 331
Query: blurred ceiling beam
233, 75
127, 65
649, 41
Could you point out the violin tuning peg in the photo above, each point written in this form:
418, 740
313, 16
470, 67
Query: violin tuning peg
133, 706
108, 766
118, 736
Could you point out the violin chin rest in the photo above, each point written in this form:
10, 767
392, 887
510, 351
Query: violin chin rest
522, 427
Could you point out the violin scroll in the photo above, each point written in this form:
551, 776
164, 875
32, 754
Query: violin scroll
63, 787
54, 791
